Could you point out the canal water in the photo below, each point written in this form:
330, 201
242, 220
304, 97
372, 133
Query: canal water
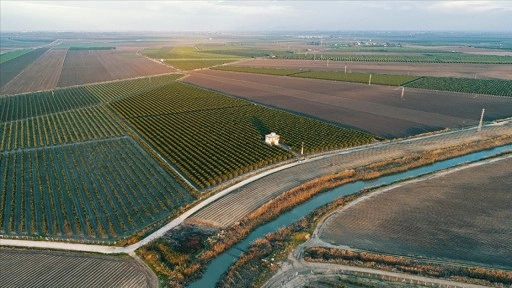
222, 262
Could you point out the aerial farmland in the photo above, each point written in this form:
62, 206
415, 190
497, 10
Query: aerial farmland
252, 159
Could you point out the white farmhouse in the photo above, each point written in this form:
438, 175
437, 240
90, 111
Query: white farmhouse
272, 139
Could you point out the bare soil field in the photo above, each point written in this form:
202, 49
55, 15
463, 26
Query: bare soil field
33, 268
91, 66
10, 69
462, 216
482, 71
376, 109
251, 196
42, 74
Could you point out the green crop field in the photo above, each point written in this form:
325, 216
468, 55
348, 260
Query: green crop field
95, 190
185, 52
41, 103
191, 64
420, 58
257, 70
12, 54
106, 92
189, 58
67, 127
466, 85
382, 79
211, 137
69, 170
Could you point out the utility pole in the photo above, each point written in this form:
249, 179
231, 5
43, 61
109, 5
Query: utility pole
481, 120
402, 95
345, 69
302, 149
370, 80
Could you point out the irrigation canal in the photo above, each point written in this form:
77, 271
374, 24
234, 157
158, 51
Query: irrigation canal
221, 263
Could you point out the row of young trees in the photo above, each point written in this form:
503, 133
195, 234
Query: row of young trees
102, 190
418, 58
54, 129
28, 105
41, 103
211, 137
466, 85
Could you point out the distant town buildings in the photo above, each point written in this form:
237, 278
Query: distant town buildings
272, 139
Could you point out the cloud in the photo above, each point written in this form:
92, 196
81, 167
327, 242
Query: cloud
471, 6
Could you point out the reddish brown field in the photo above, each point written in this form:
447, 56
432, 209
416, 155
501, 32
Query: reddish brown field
42, 74
90, 66
482, 71
463, 216
375, 109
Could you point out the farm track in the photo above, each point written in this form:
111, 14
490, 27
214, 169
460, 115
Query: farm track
296, 272
42, 74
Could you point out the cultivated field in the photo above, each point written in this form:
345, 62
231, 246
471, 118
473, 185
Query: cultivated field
94, 190
251, 196
30, 268
188, 57
60, 67
24, 106
11, 68
497, 87
375, 109
211, 137
462, 216
60, 128
12, 54
447, 57
482, 71
91, 66
42, 74
69, 170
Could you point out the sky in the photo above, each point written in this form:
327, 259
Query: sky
243, 15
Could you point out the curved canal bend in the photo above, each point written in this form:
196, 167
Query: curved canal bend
221, 263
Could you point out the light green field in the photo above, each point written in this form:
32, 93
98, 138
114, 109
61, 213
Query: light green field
4, 57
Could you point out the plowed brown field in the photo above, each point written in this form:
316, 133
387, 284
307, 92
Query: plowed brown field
375, 109
31, 268
42, 74
90, 66
464, 216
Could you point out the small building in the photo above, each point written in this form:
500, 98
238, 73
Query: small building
272, 139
